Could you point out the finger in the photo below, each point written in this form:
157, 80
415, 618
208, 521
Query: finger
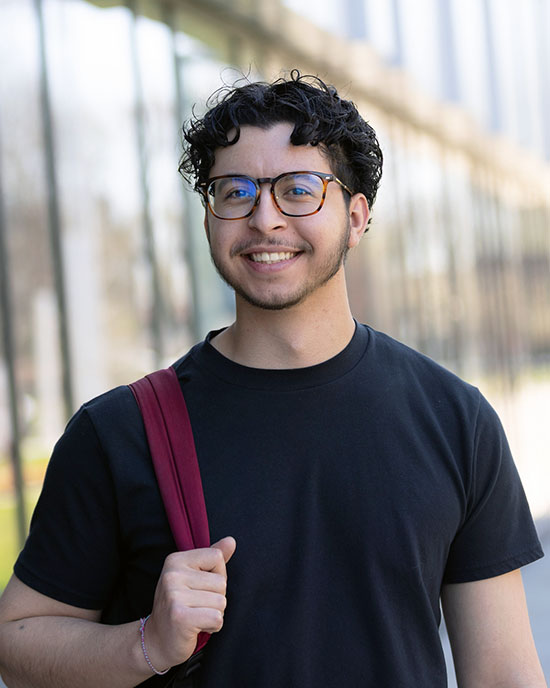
204, 559
206, 580
227, 545
204, 619
195, 599
214, 558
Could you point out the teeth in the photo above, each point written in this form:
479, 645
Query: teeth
270, 257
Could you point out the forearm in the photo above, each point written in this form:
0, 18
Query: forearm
45, 643
66, 652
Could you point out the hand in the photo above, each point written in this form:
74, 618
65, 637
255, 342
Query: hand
189, 598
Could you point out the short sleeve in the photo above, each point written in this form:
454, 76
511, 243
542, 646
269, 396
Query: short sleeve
72, 551
498, 534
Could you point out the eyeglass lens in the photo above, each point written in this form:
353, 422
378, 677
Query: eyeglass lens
295, 194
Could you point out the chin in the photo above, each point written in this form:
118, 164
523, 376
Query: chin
273, 304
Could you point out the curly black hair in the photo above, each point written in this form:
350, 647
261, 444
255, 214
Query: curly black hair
319, 115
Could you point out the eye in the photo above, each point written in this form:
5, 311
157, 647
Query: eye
299, 187
296, 190
233, 189
238, 192
295, 186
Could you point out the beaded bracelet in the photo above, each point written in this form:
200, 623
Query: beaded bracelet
142, 634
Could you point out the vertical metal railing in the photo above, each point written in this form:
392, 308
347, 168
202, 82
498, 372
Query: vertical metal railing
356, 20
8, 340
54, 221
447, 53
397, 21
189, 253
402, 302
454, 346
542, 14
493, 86
157, 304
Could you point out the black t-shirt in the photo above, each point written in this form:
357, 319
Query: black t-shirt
354, 488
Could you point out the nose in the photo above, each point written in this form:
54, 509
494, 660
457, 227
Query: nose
267, 217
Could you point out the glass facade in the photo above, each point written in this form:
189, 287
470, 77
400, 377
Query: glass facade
457, 260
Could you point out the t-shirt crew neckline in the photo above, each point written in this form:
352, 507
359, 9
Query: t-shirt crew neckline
206, 356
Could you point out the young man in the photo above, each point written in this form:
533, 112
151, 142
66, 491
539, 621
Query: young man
360, 481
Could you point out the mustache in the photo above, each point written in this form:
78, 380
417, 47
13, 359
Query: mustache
251, 244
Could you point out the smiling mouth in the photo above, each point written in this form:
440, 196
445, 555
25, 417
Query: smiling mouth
270, 258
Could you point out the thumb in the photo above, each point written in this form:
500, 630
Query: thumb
227, 545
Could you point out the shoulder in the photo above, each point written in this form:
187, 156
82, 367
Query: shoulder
412, 373
102, 423
117, 400
403, 358
112, 414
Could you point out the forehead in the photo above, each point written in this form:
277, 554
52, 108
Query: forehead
267, 153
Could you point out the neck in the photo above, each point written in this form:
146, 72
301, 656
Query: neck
304, 335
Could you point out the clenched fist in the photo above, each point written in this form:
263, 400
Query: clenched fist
189, 599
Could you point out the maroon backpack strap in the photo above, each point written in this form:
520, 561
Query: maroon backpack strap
168, 428
170, 438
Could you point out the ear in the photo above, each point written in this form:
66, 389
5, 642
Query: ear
358, 218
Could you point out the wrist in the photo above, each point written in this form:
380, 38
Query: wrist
159, 671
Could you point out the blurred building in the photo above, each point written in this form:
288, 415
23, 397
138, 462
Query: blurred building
457, 260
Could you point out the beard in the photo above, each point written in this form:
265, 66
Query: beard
276, 302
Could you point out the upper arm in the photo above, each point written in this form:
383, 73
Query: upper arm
19, 601
490, 633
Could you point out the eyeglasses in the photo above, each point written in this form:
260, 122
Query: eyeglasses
296, 194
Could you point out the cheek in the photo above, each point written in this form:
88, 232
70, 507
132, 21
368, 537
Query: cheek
220, 239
